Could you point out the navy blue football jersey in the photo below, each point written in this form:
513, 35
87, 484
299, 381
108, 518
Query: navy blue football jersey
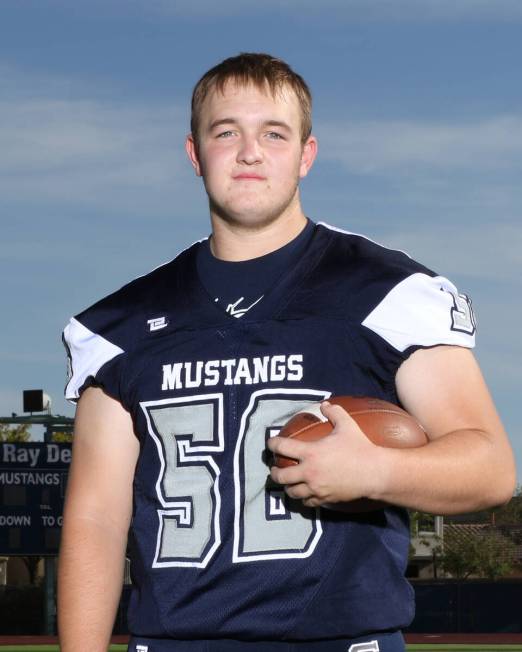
216, 550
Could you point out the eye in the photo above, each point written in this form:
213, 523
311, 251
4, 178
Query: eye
225, 134
273, 135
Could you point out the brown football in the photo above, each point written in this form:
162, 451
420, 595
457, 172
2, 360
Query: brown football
384, 423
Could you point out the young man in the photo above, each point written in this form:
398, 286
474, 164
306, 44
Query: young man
185, 375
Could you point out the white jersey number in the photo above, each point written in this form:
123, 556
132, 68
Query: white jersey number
189, 436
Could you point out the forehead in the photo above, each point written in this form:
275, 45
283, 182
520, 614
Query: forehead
243, 101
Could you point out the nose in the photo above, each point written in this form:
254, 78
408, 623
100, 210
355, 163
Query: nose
249, 151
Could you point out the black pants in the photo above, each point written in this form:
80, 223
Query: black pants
389, 642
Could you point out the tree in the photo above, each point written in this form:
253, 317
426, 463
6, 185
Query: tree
497, 555
62, 437
15, 433
460, 555
482, 552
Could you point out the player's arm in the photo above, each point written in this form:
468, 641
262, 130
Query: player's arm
467, 464
97, 514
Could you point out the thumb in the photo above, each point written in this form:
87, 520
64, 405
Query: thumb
334, 413
341, 420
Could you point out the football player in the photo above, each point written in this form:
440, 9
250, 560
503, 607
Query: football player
184, 377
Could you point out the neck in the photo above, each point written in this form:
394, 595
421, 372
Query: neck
235, 242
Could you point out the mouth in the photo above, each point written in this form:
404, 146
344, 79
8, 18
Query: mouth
245, 176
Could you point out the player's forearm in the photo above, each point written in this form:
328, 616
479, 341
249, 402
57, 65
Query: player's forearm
90, 578
463, 471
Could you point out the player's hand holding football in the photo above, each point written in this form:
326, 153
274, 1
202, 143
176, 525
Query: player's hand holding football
338, 468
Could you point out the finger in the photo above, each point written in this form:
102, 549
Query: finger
336, 414
288, 476
287, 447
298, 491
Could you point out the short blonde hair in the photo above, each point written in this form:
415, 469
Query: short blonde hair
261, 70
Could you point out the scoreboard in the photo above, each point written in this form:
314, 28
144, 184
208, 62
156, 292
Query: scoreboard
33, 477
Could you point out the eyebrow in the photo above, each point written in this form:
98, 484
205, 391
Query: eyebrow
267, 123
278, 123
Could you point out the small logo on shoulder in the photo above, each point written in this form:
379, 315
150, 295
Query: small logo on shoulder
157, 323
142, 648
69, 367
462, 315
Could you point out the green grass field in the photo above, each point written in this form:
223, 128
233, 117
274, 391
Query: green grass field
420, 647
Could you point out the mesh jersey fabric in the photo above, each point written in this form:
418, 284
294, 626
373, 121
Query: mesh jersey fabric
215, 552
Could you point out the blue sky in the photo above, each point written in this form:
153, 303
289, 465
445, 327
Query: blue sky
418, 111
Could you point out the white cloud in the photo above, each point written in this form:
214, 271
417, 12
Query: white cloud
97, 152
376, 147
75, 150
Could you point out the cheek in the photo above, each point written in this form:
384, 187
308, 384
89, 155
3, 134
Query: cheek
213, 163
290, 168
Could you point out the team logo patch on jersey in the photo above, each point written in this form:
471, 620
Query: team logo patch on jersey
142, 648
157, 323
237, 310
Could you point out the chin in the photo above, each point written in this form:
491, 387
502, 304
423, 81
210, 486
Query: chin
251, 219
251, 214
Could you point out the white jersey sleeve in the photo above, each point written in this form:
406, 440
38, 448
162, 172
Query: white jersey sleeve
423, 311
88, 352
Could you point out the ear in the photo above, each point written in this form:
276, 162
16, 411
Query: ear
308, 156
192, 152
